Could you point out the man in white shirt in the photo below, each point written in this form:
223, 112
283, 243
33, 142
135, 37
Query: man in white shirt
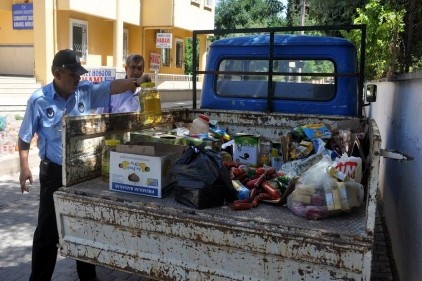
128, 101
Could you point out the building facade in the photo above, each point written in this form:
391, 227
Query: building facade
102, 32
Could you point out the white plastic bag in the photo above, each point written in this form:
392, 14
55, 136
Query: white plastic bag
350, 166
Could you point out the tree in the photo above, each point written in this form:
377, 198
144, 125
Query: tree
231, 14
188, 56
384, 25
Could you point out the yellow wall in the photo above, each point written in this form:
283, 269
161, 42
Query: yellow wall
151, 48
135, 39
52, 31
8, 35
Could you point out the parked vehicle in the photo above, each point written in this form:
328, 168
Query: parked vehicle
265, 84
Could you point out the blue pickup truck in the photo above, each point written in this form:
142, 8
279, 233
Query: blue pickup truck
310, 74
263, 82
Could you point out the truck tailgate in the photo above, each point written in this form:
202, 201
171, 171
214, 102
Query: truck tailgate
161, 238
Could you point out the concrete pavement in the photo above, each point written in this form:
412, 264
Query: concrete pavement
18, 217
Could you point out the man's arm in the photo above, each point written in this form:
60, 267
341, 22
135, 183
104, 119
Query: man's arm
25, 172
122, 85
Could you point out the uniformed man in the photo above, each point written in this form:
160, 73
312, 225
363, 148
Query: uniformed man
66, 94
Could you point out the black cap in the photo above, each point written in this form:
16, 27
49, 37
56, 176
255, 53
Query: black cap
68, 59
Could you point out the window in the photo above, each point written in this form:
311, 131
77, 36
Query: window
196, 1
79, 38
165, 55
125, 45
179, 53
317, 83
208, 4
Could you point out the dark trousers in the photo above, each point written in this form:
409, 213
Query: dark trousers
46, 239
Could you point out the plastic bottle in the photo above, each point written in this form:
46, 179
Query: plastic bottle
200, 125
242, 191
150, 103
110, 145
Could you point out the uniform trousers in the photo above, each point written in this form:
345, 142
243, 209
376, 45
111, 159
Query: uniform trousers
46, 239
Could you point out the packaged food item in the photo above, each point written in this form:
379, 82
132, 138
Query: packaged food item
242, 191
319, 194
110, 145
313, 131
200, 125
150, 103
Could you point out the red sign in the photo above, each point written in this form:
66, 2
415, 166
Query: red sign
154, 61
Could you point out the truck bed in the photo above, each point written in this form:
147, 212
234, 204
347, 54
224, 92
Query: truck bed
163, 239
266, 215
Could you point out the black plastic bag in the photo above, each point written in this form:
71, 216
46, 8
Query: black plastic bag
202, 179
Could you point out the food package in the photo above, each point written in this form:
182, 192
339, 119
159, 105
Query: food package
350, 166
318, 195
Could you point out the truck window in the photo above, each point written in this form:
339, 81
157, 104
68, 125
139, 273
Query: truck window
310, 79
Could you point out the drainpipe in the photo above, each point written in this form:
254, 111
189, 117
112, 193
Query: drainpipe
55, 26
172, 13
118, 36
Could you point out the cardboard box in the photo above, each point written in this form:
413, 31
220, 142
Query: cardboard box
246, 149
143, 169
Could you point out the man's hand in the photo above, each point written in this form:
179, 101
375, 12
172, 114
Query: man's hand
145, 78
24, 175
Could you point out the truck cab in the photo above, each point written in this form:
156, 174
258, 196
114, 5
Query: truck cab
302, 74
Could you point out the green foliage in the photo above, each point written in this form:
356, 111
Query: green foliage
231, 14
188, 55
384, 25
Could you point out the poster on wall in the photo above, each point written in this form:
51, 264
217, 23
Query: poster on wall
154, 62
98, 75
22, 16
163, 40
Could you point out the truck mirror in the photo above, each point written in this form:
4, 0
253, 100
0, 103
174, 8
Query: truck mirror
371, 93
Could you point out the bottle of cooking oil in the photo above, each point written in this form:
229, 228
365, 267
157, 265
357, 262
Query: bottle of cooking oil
110, 145
150, 103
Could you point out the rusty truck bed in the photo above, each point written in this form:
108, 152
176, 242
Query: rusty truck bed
163, 239
266, 216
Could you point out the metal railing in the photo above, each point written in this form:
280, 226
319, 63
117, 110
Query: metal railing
168, 81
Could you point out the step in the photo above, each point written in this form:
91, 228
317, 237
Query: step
13, 91
19, 85
14, 99
17, 79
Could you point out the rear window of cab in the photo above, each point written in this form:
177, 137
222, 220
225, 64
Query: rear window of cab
306, 80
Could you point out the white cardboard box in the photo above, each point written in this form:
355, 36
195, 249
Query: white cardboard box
143, 169
246, 149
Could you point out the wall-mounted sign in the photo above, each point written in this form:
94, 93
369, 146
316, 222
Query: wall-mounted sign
163, 40
22, 16
98, 75
154, 62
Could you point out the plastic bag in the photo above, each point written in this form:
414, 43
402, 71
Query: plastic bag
318, 195
350, 166
202, 180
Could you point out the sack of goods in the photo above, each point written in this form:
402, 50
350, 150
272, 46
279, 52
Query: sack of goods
202, 180
323, 191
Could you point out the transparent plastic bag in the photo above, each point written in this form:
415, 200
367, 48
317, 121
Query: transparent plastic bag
318, 195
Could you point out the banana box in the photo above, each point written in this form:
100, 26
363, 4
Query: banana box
144, 169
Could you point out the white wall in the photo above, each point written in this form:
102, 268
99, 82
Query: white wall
398, 112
